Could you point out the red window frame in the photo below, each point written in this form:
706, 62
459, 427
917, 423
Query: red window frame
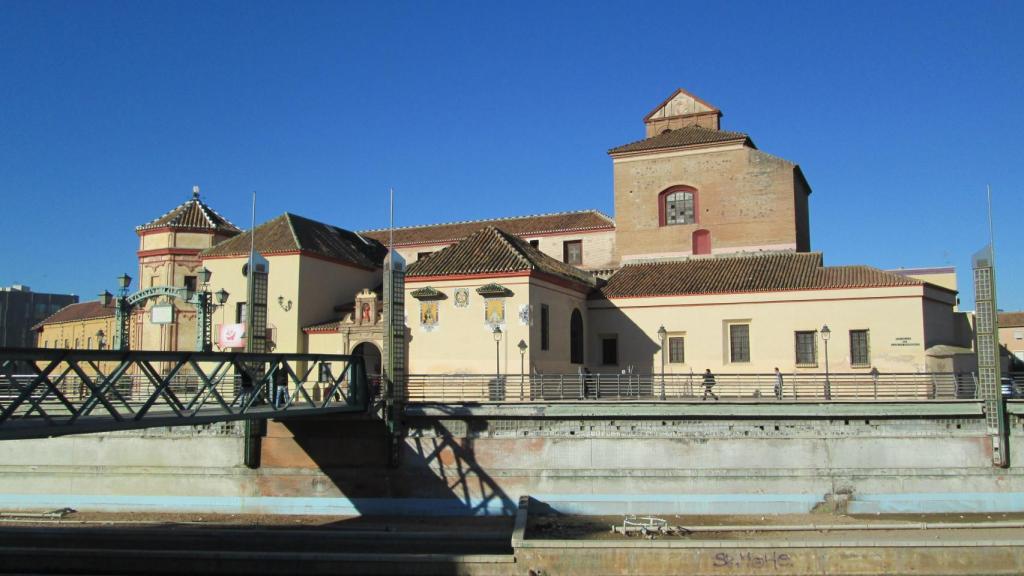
662, 217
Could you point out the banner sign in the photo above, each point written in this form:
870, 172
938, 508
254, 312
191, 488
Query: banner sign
231, 336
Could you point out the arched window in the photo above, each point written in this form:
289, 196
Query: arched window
677, 205
576, 337
702, 241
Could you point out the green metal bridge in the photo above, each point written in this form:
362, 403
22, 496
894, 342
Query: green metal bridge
46, 392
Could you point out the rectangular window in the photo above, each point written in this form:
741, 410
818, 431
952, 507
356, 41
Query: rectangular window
1018, 334
676, 350
422, 255
739, 343
572, 252
241, 313
535, 244
806, 349
40, 310
610, 350
545, 318
190, 283
859, 352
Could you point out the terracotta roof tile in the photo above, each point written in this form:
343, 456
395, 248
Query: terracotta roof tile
686, 136
80, 311
755, 273
192, 214
520, 226
290, 233
491, 250
1011, 319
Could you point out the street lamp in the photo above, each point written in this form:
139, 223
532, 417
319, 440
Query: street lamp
497, 351
661, 336
825, 333
121, 311
522, 362
204, 275
124, 280
222, 296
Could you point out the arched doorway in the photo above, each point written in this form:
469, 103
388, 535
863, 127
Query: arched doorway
372, 360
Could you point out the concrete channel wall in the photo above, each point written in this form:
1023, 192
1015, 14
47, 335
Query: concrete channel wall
585, 459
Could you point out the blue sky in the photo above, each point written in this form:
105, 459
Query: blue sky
899, 113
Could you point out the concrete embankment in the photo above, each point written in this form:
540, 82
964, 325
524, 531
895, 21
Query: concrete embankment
585, 458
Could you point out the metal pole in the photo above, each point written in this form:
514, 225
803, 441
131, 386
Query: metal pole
522, 362
828, 384
662, 367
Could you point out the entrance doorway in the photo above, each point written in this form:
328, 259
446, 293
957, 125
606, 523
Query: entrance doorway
372, 360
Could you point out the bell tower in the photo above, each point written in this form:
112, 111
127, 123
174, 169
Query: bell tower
168, 255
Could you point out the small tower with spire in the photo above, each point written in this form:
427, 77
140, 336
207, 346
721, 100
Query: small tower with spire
169, 248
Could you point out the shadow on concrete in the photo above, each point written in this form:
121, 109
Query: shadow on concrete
437, 473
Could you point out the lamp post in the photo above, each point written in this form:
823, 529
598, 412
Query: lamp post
825, 333
497, 362
121, 313
497, 351
661, 336
522, 364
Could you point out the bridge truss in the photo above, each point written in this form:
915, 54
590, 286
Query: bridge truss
46, 392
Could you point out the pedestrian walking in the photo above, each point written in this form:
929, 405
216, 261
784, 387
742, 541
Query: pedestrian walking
280, 387
778, 384
709, 384
245, 394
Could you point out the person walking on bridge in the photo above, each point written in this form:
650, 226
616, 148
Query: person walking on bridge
709, 384
778, 384
280, 387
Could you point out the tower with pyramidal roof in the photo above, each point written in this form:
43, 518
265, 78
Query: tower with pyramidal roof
169, 248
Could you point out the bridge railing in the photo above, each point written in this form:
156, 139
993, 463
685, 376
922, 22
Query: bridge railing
811, 387
60, 391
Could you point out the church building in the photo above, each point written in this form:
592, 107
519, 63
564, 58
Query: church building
706, 264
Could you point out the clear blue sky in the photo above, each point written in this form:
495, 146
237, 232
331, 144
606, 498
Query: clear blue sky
898, 112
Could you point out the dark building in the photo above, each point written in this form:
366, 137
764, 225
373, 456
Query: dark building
21, 308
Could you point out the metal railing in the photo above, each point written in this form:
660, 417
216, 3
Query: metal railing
812, 387
51, 392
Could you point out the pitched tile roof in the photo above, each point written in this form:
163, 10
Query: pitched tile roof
289, 233
1011, 319
520, 225
194, 213
686, 136
80, 311
754, 273
491, 250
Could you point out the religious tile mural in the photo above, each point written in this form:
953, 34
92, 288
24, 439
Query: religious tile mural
428, 315
494, 311
524, 315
